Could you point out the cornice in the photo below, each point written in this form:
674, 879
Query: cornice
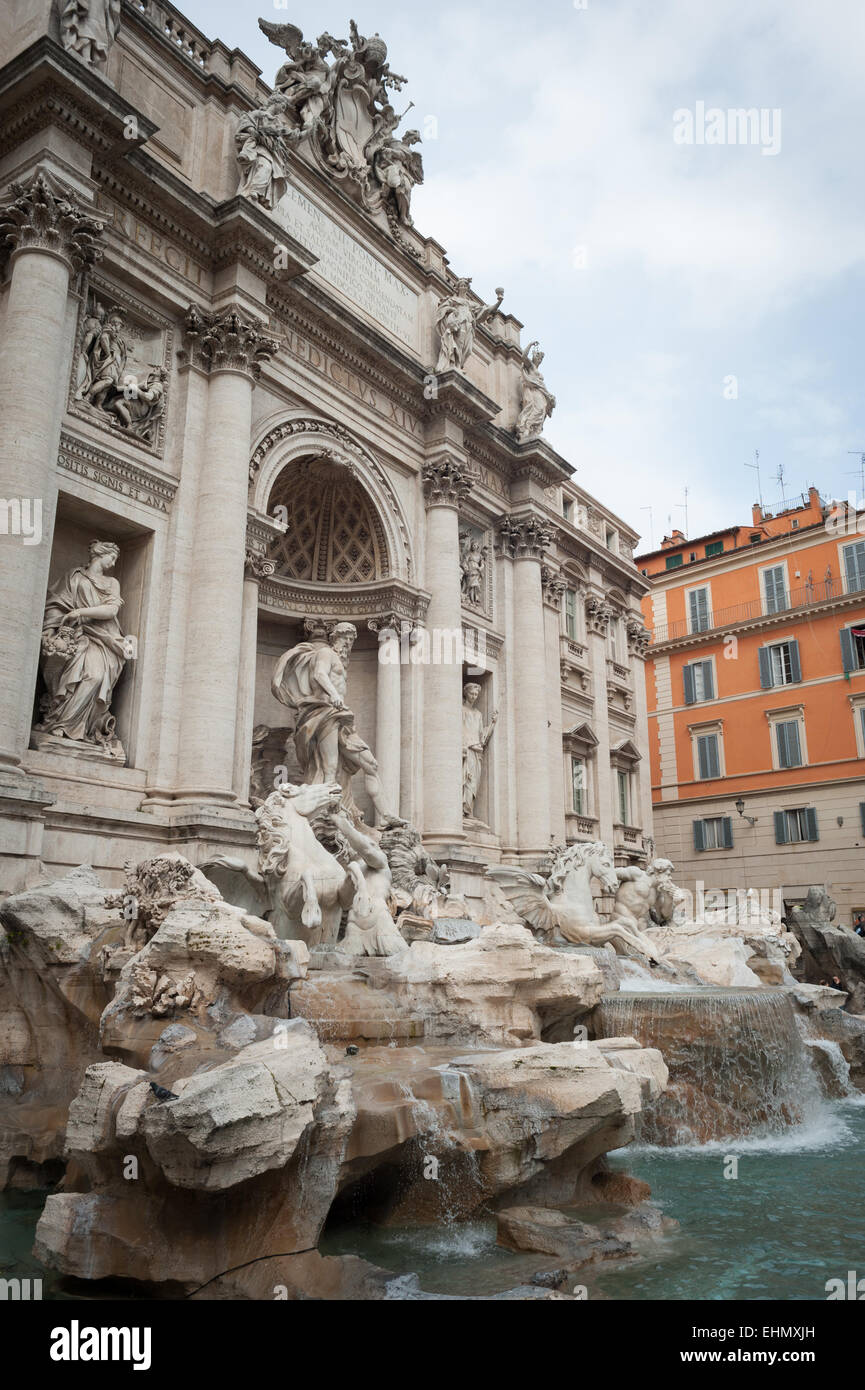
139, 481
789, 617
352, 601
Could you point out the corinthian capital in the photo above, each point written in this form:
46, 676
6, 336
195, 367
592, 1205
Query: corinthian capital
257, 566
447, 481
525, 537
43, 216
226, 342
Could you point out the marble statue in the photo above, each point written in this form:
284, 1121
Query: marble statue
457, 318
818, 909
83, 654
300, 887
103, 357
305, 80
396, 166
140, 405
88, 28
261, 154
414, 872
370, 929
564, 899
311, 679
538, 402
476, 737
644, 896
473, 564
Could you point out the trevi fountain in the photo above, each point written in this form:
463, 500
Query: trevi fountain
314, 984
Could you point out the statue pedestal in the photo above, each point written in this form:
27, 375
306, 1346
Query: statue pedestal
112, 752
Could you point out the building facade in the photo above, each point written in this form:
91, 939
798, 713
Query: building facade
230, 360
756, 695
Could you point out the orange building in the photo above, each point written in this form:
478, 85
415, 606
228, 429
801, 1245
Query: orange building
756, 702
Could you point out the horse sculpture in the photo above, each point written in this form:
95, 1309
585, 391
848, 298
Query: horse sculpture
301, 888
564, 900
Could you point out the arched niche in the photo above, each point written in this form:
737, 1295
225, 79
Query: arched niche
308, 466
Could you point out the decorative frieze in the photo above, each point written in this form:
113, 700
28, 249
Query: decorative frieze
226, 342
43, 216
117, 475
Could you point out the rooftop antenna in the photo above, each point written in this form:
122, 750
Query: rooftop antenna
756, 466
858, 472
651, 512
684, 507
779, 479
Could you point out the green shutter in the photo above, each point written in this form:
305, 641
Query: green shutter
708, 680
765, 668
811, 821
699, 835
728, 832
862, 815
688, 678
848, 655
795, 662
780, 828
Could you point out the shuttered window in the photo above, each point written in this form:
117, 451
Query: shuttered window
775, 589
789, 744
699, 682
854, 565
853, 647
780, 664
571, 613
716, 832
795, 827
698, 607
708, 757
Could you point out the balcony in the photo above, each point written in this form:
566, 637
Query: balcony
809, 596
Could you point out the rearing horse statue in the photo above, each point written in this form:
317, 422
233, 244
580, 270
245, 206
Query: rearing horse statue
564, 899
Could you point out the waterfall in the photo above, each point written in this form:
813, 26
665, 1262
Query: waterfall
738, 1064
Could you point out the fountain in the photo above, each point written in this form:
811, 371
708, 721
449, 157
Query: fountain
738, 1064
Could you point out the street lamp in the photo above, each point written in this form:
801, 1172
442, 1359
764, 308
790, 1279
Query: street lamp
740, 807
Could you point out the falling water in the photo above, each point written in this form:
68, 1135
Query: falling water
738, 1065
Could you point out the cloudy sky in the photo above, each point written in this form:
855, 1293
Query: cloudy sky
697, 302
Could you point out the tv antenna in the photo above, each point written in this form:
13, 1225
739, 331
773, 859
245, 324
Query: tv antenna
756, 466
858, 472
651, 512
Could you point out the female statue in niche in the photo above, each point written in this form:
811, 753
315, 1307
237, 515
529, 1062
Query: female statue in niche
83, 652
475, 739
538, 401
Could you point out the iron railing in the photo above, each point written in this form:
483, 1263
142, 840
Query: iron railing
805, 597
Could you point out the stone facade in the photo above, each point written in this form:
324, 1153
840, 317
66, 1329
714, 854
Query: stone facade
229, 356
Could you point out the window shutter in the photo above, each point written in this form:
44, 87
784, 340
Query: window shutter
688, 674
765, 669
780, 828
708, 680
775, 589
794, 749
854, 563
699, 604
714, 758
781, 740
795, 662
811, 821
848, 656
862, 815
699, 835
728, 832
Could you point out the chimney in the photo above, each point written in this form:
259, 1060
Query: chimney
756, 514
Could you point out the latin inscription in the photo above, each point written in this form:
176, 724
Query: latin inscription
350, 269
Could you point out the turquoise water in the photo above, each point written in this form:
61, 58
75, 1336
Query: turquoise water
793, 1218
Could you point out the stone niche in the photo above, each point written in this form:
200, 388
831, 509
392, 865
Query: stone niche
77, 524
484, 801
276, 636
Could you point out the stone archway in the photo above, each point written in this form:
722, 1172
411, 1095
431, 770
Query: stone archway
334, 534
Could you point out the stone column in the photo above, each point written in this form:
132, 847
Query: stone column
231, 348
598, 614
51, 237
256, 568
388, 708
553, 589
638, 648
446, 482
527, 538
